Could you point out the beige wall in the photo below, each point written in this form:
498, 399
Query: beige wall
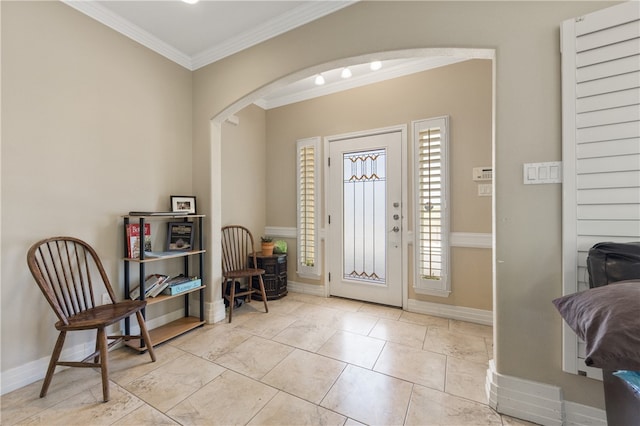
462, 91
244, 165
93, 126
526, 38
76, 94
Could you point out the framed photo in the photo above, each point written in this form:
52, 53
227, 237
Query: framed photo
183, 204
180, 236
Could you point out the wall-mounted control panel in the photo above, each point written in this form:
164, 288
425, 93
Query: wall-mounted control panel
482, 173
539, 173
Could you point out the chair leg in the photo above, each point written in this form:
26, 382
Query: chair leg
232, 299
264, 294
104, 362
57, 349
145, 336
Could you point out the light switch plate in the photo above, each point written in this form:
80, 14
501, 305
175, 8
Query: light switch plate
539, 173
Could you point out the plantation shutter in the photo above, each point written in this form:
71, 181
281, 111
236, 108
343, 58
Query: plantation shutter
307, 173
601, 145
431, 228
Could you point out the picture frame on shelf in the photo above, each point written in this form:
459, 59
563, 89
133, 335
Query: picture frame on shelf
183, 204
180, 236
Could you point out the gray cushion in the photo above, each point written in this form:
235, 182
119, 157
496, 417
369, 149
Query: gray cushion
608, 320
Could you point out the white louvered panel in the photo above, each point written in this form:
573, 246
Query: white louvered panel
609, 196
619, 163
608, 36
608, 53
630, 96
607, 85
601, 145
609, 68
608, 132
608, 148
585, 242
608, 116
609, 228
607, 18
627, 179
611, 211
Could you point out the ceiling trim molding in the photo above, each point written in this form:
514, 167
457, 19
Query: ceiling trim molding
124, 27
269, 29
286, 22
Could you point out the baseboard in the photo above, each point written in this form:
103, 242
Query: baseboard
315, 290
25, 374
537, 402
478, 316
583, 415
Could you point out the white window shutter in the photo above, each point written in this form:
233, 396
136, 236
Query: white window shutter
431, 227
308, 179
601, 146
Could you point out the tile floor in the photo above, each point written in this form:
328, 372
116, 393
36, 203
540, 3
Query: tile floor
311, 360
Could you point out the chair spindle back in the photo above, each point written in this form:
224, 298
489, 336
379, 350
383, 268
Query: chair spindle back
237, 244
66, 270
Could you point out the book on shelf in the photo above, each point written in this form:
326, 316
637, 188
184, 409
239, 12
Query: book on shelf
180, 284
133, 239
151, 283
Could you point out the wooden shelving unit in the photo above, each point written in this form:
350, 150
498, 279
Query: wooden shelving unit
182, 325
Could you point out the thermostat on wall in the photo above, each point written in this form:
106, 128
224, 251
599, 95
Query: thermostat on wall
482, 173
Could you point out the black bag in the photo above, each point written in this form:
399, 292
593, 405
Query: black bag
238, 300
611, 262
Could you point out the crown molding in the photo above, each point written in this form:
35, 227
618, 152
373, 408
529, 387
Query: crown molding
286, 22
297, 17
126, 28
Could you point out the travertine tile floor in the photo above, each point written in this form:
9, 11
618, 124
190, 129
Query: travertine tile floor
311, 360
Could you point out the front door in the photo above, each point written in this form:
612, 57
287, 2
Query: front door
364, 244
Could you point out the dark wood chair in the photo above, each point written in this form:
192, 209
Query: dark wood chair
239, 262
69, 273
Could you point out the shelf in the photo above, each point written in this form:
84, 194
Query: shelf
163, 215
168, 331
163, 297
169, 256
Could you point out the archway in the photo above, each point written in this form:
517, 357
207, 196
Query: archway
218, 120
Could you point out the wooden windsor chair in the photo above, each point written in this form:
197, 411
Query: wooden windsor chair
69, 272
239, 262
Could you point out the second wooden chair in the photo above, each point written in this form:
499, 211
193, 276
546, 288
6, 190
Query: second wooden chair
239, 262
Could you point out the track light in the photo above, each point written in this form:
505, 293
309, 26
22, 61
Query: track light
346, 72
319, 80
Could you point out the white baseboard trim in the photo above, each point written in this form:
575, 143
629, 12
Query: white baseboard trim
583, 415
461, 313
32, 371
315, 290
537, 402
25, 374
214, 311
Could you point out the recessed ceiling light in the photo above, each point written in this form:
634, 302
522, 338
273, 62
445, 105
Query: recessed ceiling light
191, 1
319, 80
346, 73
375, 65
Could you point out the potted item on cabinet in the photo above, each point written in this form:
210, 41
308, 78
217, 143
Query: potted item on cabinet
267, 246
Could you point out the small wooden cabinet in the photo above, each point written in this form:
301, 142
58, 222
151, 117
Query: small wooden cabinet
275, 277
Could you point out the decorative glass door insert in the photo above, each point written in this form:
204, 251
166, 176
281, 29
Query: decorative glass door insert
364, 216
